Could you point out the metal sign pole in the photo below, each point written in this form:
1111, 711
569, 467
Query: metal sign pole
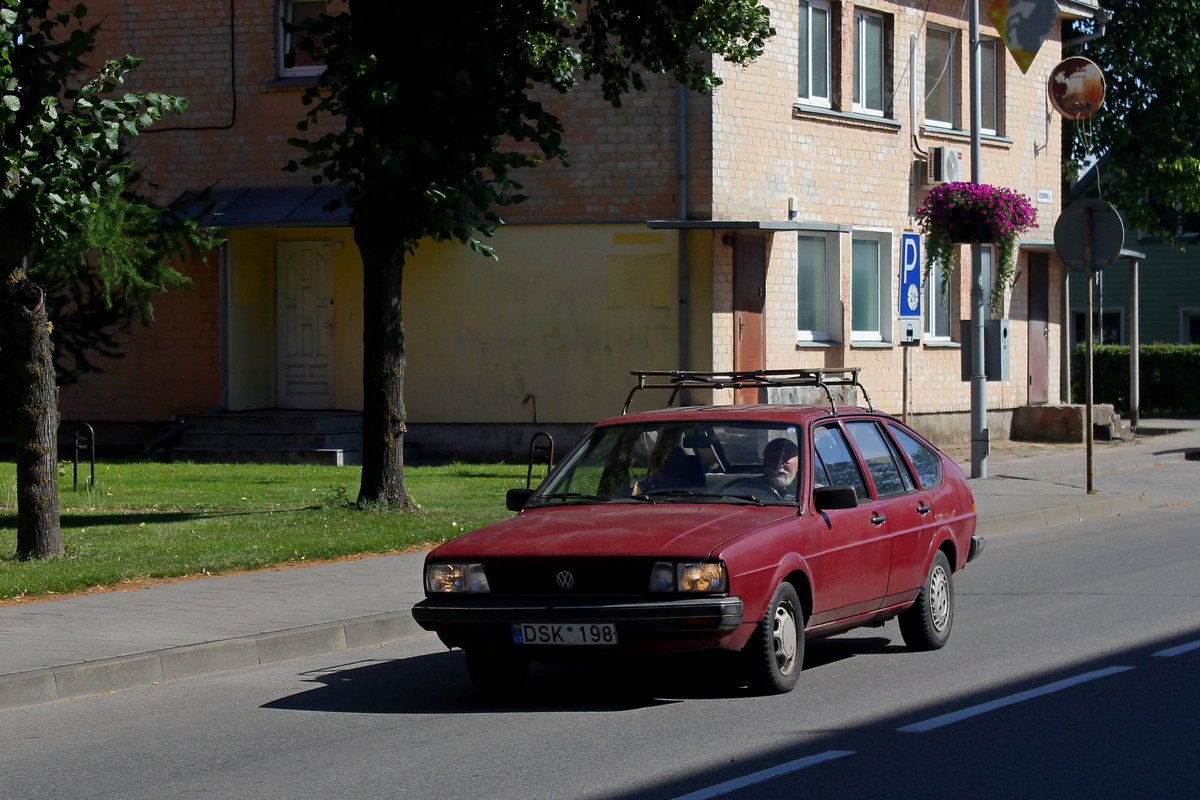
980, 443
1088, 373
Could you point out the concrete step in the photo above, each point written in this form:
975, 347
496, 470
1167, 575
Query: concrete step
269, 440
282, 420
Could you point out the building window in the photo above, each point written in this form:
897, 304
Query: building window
991, 89
815, 64
941, 77
937, 309
813, 278
870, 288
295, 12
1107, 326
869, 63
1189, 332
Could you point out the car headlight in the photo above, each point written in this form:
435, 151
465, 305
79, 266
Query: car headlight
441, 578
688, 576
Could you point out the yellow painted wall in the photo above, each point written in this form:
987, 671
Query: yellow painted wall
564, 314
250, 299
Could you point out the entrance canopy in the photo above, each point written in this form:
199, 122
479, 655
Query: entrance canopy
281, 207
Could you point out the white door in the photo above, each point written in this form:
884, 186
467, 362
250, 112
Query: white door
305, 321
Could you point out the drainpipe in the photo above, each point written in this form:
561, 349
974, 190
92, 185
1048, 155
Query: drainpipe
681, 191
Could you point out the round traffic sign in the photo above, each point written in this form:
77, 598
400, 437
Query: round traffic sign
1071, 234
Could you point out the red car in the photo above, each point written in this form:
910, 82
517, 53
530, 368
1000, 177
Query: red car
746, 528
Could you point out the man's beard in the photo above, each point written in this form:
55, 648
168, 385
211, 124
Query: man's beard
781, 480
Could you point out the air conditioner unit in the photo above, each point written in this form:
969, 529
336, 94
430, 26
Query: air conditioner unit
944, 165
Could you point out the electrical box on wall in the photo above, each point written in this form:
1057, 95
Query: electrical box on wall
944, 166
995, 349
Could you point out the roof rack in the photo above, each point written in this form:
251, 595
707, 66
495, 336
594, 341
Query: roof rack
677, 381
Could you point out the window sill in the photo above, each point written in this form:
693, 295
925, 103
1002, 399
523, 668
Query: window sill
936, 131
870, 345
801, 111
290, 83
942, 343
817, 344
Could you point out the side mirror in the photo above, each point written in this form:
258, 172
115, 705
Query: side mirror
828, 498
516, 499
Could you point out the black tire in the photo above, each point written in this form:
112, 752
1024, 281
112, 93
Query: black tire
496, 675
926, 626
775, 653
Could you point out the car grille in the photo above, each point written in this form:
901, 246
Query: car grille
587, 578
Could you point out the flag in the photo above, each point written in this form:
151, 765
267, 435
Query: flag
1023, 26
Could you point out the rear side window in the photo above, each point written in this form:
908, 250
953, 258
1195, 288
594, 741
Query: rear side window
890, 477
834, 463
924, 460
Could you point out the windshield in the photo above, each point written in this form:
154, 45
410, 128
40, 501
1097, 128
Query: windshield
738, 462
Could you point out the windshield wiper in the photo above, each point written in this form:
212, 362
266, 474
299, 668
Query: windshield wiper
576, 496
653, 493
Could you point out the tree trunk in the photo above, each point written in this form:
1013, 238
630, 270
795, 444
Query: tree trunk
32, 393
382, 250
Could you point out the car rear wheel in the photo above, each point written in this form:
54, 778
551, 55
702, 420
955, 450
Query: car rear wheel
496, 675
775, 653
926, 626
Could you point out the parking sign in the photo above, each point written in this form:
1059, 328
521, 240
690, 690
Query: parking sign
910, 288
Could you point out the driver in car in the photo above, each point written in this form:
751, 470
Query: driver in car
781, 462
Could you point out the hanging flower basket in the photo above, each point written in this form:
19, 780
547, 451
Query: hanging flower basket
960, 213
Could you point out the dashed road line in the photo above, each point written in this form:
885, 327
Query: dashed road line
1175, 651
764, 775
983, 708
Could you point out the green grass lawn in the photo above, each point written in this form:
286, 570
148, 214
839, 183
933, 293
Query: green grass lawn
151, 519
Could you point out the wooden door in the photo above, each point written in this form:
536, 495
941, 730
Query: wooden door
1038, 267
305, 324
749, 300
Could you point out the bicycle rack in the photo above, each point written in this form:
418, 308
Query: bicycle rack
85, 439
545, 449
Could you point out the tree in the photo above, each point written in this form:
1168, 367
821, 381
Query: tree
429, 133
59, 138
1148, 131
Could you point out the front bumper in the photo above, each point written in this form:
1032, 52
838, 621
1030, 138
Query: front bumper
483, 619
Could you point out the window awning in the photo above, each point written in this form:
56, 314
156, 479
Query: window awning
280, 207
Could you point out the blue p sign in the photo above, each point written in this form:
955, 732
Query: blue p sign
910, 275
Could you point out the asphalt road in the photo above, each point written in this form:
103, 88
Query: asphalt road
1073, 671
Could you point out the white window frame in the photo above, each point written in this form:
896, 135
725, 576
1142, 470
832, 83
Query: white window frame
933, 301
996, 95
284, 39
883, 329
860, 103
832, 284
808, 69
946, 74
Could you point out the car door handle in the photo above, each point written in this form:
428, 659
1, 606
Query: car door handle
924, 508
879, 519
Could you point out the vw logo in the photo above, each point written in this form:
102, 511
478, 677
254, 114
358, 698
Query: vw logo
565, 580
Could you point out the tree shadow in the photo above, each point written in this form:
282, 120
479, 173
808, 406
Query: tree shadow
72, 521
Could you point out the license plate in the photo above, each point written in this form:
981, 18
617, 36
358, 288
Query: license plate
564, 633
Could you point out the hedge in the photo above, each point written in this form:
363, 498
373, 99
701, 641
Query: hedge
1169, 382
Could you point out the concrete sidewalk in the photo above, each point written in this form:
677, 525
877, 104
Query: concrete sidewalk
86, 645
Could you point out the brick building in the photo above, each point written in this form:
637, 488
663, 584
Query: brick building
759, 226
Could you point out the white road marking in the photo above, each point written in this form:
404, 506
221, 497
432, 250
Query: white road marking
983, 708
1174, 651
764, 775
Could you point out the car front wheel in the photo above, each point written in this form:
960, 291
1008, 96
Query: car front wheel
496, 675
926, 626
775, 653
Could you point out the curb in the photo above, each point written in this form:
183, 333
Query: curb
144, 669
1037, 519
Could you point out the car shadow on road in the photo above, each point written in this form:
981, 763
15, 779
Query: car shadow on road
438, 684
